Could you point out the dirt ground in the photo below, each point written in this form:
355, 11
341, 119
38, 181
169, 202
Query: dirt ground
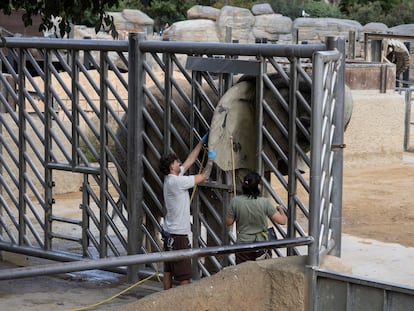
377, 204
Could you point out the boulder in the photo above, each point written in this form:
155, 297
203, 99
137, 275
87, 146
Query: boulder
315, 30
198, 30
270, 26
241, 22
407, 29
133, 21
375, 27
203, 12
262, 8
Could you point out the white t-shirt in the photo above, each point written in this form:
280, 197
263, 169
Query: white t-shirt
177, 202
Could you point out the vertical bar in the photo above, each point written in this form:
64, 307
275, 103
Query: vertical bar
383, 78
75, 106
196, 227
47, 149
22, 148
406, 73
407, 121
103, 140
365, 46
228, 77
311, 289
167, 102
136, 101
259, 117
338, 142
315, 169
85, 215
2, 110
351, 44
292, 137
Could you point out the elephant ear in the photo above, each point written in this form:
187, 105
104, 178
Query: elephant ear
232, 128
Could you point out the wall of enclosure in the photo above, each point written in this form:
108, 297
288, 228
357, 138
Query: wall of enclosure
69, 108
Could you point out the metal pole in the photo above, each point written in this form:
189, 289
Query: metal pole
102, 263
49, 183
407, 121
315, 179
315, 169
259, 116
22, 149
103, 137
135, 148
292, 140
338, 146
167, 101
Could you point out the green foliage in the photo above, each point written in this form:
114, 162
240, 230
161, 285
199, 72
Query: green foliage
169, 11
322, 9
236, 3
348, 6
71, 12
365, 14
401, 12
293, 8
290, 8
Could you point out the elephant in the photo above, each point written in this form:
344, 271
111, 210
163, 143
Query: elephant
242, 95
234, 118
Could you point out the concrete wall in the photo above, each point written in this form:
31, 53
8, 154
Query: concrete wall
274, 284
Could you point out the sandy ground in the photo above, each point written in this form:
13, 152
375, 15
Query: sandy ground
378, 202
378, 242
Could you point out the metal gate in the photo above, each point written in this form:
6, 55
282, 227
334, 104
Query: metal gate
107, 110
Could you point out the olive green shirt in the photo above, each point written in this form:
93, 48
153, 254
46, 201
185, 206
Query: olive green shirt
251, 217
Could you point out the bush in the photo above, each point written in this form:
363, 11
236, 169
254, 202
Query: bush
365, 14
399, 14
294, 8
321, 9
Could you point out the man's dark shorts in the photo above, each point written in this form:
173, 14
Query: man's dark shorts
181, 269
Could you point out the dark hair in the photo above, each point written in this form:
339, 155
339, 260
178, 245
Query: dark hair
165, 162
251, 185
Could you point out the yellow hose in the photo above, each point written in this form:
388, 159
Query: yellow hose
119, 294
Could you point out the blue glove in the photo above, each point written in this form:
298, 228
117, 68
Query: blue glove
212, 154
204, 139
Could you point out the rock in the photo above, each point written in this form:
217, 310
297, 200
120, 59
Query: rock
198, 30
262, 8
133, 21
375, 27
203, 12
240, 20
270, 26
315, 30
407, 29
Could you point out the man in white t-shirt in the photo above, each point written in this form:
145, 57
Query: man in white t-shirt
177, 202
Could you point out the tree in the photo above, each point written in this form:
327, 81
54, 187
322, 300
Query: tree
71, 12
